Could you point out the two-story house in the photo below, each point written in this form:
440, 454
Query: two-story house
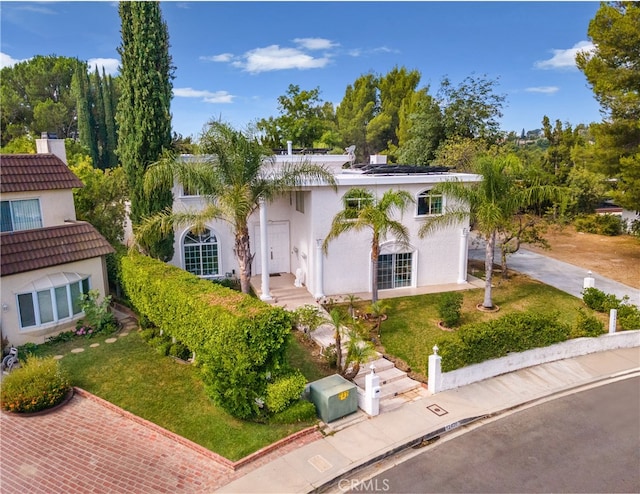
47, 257
287, 234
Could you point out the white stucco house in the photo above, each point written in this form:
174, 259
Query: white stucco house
48, 258
287, 234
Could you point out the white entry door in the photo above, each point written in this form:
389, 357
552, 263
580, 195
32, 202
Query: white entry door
279, 259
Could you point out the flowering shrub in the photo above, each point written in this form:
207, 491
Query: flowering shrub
37, 385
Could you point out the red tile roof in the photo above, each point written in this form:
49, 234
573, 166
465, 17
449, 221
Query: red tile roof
29, 250
28, 172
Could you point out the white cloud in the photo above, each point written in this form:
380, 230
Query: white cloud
205, 96
8, 60
276, 58
315, 43
565, 59
223, 57
543, 89
110, 65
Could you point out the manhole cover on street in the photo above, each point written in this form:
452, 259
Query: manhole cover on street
438, 410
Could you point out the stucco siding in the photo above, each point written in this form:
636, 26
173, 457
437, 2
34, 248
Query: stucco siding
14, 284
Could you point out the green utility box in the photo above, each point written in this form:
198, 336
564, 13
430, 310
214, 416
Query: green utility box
334, 397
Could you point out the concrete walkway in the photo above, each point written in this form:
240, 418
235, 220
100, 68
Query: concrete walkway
562, 275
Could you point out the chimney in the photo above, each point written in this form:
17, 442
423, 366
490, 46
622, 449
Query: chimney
50, 144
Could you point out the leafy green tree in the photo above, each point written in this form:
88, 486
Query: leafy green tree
36, 97
234, 180
420, 129
394, 89
101, 201
613, 71
363, 212
301, 119
460, 153
472, 109
24, 144
143, 114
355, 112
490, 204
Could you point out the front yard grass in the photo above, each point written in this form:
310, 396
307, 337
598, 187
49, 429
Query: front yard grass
411, 329
132, 375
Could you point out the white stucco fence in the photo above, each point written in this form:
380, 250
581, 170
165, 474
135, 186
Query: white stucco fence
442, 381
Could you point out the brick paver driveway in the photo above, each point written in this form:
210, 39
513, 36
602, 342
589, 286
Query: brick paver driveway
87, 446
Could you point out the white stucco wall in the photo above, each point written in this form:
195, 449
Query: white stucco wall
536, 356
346, 266
14, 284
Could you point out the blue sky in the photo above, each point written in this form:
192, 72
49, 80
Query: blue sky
233, 59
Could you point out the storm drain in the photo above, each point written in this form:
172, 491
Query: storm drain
437, 409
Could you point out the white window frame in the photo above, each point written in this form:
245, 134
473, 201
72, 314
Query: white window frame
218, 257
52, 298
428, 196
33, 220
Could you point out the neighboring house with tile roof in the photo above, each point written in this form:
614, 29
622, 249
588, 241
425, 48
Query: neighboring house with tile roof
47, 257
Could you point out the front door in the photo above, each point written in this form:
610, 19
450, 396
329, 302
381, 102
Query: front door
279, 259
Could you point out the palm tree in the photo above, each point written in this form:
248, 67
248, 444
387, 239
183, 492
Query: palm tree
235, 175
363, 212
490, 204
337, 320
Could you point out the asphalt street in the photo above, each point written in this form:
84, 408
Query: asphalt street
583, 442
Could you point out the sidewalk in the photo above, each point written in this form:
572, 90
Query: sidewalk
314, 466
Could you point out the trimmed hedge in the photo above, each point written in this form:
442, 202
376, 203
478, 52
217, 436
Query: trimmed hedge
475, 343
284, 390
239, 341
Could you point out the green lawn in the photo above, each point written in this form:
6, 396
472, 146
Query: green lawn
133, 376
412, 329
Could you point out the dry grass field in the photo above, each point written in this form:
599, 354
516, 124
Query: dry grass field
617, 258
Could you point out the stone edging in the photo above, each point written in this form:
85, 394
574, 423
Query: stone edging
45, 411
190, 444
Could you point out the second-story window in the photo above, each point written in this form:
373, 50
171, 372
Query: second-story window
429, 203
22, 214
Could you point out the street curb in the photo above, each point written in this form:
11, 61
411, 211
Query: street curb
429, 436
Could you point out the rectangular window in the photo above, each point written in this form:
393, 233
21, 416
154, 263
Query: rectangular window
27, 310
21, 215
76, 301
300, 201
429, 203
52, 304
62, 302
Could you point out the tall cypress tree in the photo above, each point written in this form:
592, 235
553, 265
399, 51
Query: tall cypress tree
86, 124
143, 113
101, 127
110, 101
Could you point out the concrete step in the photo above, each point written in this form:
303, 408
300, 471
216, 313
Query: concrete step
398, 387
386, 376
381, 364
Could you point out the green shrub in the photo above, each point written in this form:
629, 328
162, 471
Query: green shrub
628, 317
178, 350
299, 411
478, 342
238, 339
284, 390
37, 385
587, 325
600, 224
330, 355
599, 301
449, 306
149, 333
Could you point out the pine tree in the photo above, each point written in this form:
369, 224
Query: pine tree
143, 113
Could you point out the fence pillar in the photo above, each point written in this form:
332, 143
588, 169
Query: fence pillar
589, 281
434, 382
613, 316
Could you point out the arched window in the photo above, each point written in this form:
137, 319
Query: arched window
429, 203
201, 254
